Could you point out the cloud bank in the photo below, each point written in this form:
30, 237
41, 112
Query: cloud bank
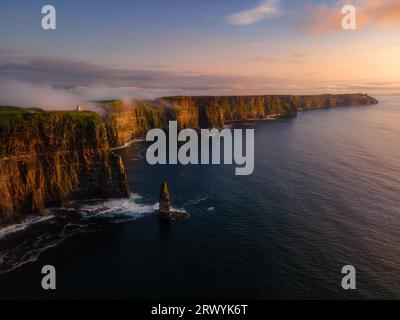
27, 94
62, 84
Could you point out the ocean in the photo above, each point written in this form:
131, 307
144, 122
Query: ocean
324, 194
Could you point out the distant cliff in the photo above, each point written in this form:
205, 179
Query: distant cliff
49, 158
130, 120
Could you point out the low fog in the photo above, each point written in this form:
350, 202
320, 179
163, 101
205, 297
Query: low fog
27, 95
62, 84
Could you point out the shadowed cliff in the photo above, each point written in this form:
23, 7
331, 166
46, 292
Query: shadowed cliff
49, 158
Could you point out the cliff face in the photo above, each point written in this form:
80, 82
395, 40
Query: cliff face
206, 112
332, 101
128, 121
47, 159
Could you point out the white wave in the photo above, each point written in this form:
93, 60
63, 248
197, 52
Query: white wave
23, 225
12, 259
128, 144
196, 201
177, 209
129, 208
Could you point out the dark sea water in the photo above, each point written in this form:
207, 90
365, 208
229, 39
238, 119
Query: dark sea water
325, 193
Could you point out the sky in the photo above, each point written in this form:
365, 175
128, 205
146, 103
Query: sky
151, 48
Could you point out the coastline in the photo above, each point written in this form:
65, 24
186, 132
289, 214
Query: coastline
291, 209
76, 141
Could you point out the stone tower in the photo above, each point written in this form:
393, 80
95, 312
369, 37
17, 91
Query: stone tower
164, 200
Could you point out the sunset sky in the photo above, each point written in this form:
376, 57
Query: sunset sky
150, 48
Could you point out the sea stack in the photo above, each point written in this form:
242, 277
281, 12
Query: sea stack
164, 201
164, 208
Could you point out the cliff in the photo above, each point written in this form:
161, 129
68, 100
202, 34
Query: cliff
49, 158
130, 120
332, 101
127, 121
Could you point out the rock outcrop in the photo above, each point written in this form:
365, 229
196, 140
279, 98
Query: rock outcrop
49, 158
164, 200
128, 121
165, 213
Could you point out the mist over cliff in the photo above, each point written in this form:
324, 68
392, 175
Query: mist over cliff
28, 95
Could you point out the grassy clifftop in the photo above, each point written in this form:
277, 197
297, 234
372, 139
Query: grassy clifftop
15, 110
